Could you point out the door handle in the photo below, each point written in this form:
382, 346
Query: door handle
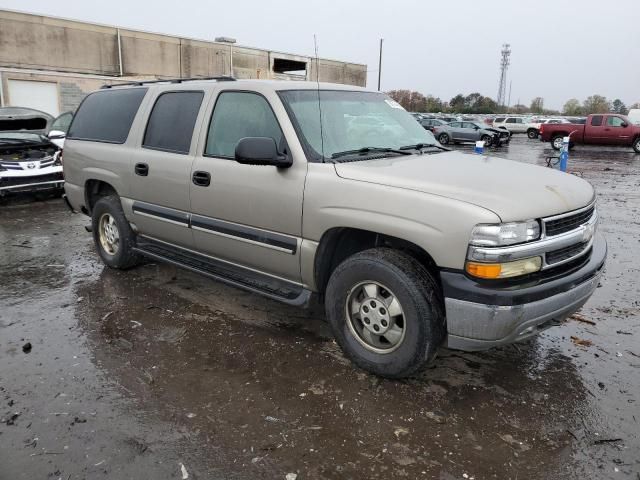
142, 169
201, 179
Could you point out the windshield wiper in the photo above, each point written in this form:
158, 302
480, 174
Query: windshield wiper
420, 146
364, 150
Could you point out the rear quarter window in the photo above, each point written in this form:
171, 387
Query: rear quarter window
107, 115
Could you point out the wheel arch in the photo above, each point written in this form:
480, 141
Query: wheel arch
94, 189
339, 243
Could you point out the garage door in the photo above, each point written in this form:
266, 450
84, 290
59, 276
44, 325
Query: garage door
39, 95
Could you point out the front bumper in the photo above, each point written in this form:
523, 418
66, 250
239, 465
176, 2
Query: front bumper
48, 178
480, 317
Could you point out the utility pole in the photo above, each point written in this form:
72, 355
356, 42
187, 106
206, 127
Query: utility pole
380, 64
509, 101
504, 66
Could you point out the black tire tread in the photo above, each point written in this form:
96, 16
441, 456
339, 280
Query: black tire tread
420, 284
125, 258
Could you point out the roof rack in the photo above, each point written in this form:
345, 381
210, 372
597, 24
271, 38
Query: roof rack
169, 80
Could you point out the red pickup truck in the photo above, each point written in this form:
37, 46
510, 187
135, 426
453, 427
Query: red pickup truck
599, 129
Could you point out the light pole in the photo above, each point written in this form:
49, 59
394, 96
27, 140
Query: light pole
230, 41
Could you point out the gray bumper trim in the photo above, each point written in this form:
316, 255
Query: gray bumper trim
25, 186
476, 326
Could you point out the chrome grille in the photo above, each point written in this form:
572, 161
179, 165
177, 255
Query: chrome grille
566, 253
556, 226
43, 162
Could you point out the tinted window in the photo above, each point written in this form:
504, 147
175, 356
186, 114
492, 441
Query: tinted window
238, 115
499, 119
106, 116
615, 121
596, 120
171, 122
511, 120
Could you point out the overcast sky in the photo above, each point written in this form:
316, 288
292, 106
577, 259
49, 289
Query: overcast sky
561, 49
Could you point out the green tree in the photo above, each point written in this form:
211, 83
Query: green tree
457, 103
596, 104
572, 107
618, 107
433, 104
537, 105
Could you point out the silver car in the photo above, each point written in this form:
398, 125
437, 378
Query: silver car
458, 132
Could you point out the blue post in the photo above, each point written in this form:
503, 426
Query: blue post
564, 154
479, 148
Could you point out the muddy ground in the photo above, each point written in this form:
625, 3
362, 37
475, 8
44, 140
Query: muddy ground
139, 374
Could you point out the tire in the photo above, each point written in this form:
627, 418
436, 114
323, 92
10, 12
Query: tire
555, 143
114, 242
636, 145
532, 133
488, 141
419, 329
444, 139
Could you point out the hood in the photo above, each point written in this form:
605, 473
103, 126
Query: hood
512, 190
28, 120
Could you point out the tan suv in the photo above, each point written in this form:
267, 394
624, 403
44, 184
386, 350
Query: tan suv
292, 188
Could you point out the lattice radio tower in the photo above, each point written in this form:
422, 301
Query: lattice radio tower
504, 66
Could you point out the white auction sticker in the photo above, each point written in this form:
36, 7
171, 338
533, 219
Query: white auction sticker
393, 103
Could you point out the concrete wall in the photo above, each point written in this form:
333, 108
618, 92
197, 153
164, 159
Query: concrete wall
45, 43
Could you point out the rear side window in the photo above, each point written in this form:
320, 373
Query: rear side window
238, 115
106, 116
511, 120
171, 123
596, 120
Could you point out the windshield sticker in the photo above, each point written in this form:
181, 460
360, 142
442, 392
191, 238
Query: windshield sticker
393, 103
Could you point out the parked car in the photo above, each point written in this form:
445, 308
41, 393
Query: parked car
29, 161
430, 123
600, 129
513, 124
460, 132
533, 128
262, 185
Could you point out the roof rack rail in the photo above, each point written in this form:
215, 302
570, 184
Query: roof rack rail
168, 80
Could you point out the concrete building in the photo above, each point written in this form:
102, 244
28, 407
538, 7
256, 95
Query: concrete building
50, 63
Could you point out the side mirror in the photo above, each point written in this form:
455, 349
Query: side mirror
476, 128
624, 125
260, 151
56, 135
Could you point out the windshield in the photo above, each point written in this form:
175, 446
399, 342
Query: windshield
351, 121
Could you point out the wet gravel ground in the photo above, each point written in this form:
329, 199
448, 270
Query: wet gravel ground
140, 374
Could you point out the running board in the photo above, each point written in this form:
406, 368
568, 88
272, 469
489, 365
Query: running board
233, 275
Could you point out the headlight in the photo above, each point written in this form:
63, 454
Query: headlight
501, 234
505, 269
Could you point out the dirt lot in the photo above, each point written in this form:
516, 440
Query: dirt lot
140, 374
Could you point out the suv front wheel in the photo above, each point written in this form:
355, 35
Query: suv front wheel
385, 312
112, 234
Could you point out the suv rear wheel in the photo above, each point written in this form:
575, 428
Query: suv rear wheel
636, 145
532, 133
112, 234
385, 312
